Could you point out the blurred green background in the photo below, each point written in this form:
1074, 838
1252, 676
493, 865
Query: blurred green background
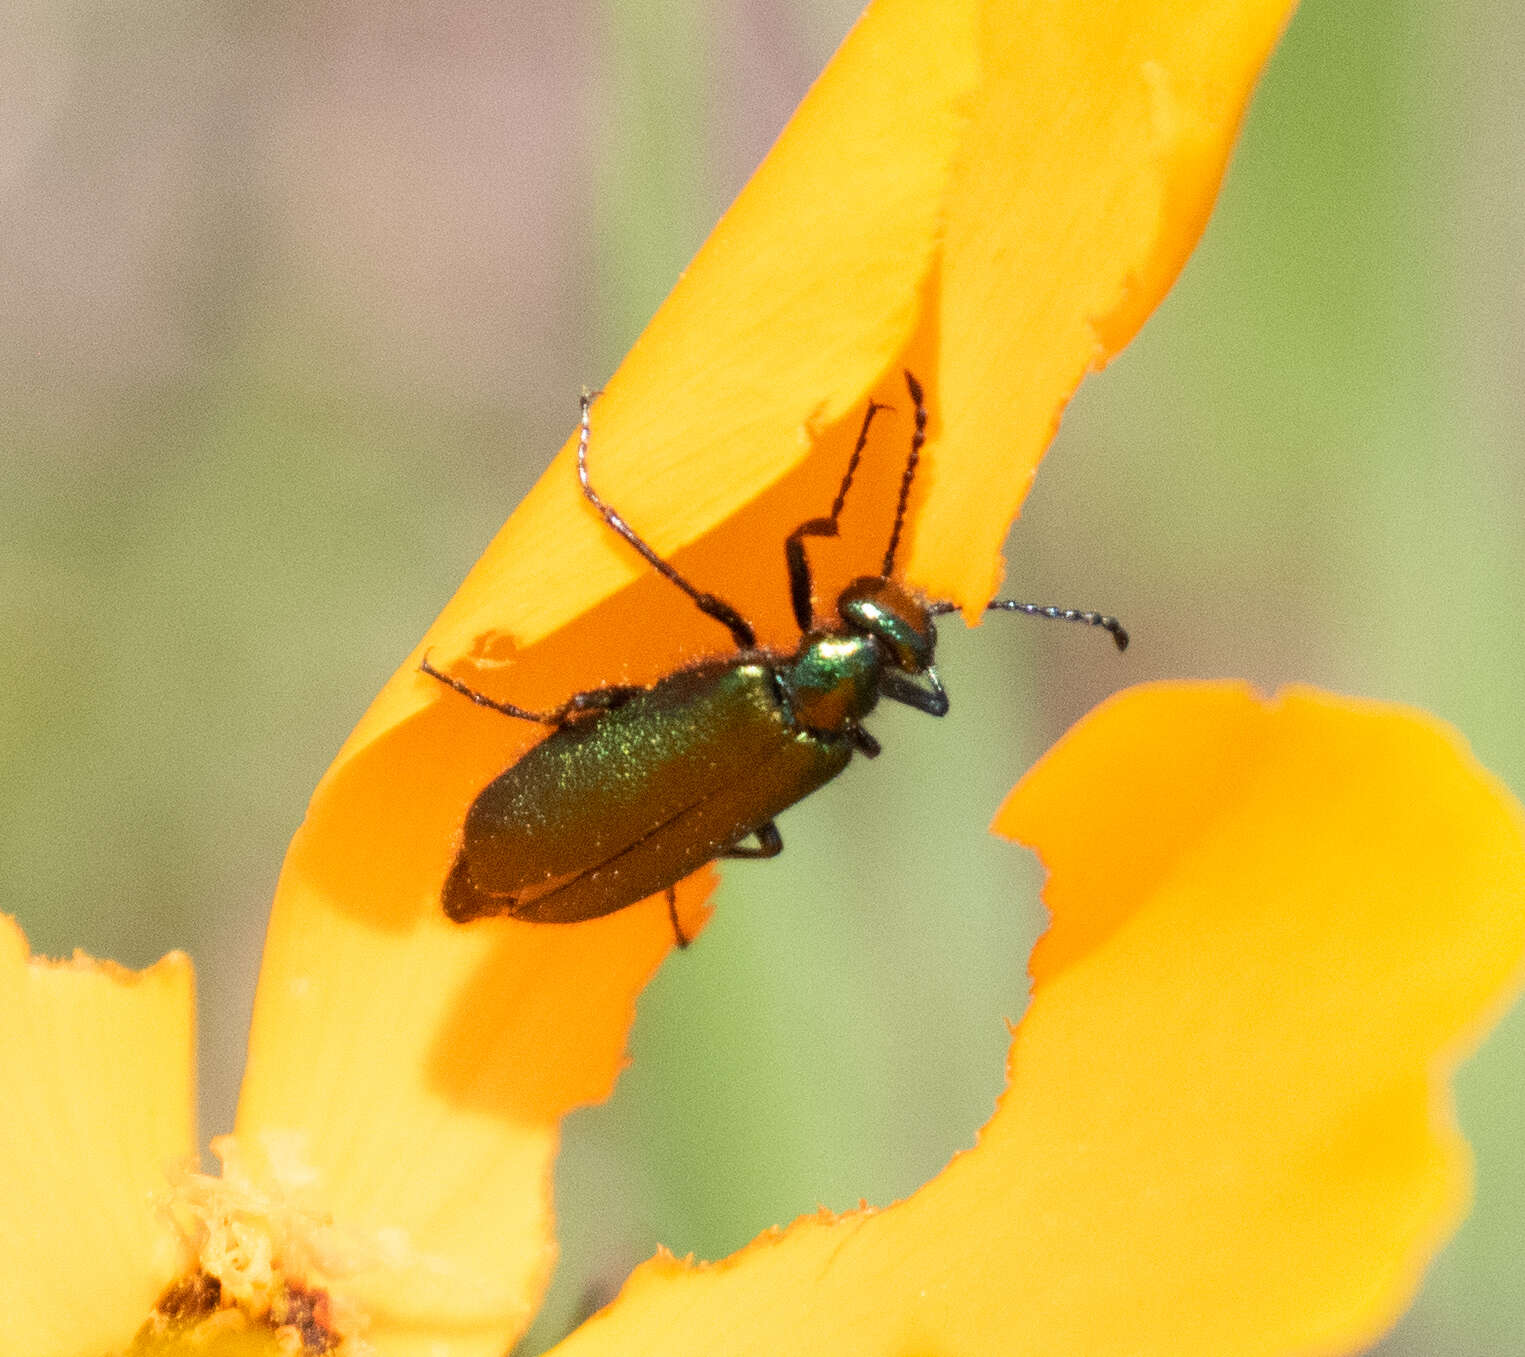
295, 302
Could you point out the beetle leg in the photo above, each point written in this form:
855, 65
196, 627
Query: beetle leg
868, 746
544, 718
801, 590
801, 594
708, 604
595, 700
770, 843
679, 936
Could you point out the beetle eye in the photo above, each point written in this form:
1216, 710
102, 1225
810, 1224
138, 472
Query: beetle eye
897, 653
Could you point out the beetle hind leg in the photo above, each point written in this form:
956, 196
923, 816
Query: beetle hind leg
482, 700
579, 704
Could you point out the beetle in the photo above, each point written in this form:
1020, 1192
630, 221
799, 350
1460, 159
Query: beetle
636, 787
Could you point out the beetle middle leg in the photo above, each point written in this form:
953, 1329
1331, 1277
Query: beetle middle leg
770, 843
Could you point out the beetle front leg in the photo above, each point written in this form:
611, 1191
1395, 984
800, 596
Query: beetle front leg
801, 593
770, 843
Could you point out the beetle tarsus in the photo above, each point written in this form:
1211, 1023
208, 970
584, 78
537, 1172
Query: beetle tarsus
579, 704
679, 936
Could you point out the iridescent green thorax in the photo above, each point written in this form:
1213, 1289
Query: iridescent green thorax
833, 681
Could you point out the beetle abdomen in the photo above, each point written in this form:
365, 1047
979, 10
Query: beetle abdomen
618, 806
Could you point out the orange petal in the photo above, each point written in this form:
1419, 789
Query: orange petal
1277, 927
97, 1112
381, 1032
416, 1071
800, 300
1089, 171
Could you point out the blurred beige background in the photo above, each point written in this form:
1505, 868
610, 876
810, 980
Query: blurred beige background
295, 302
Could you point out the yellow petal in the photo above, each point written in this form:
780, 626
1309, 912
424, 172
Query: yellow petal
408, 1076
96, 1115
1277, 926
1321, 912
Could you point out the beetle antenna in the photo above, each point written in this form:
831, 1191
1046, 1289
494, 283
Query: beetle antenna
708, 604
1111, 625
918, 437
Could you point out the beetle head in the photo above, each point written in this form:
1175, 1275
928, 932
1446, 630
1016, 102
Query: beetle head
894, 617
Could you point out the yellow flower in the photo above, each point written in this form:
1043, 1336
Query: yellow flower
1276, 926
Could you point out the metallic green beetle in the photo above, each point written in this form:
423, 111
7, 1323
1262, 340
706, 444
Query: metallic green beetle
635, 788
